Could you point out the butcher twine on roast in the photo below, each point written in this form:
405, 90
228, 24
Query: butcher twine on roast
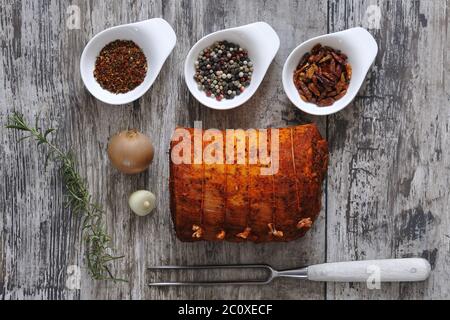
235, 202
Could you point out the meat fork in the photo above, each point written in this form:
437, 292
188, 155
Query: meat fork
389, 270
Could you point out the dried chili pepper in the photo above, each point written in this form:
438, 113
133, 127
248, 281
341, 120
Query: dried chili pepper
323, 76
121, 66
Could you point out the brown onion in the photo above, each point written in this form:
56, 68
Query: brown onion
130, 151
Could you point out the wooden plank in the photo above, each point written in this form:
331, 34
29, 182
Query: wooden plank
39, 72
389, 169
39, 237
201, 18
388, 190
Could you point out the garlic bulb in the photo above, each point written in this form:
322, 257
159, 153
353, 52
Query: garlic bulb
142, 202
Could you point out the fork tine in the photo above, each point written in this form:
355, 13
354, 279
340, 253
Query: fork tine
213, 283
231, 266
216, 283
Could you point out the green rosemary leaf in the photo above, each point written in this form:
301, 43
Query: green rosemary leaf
48, 132
78, 199
17, 127
36, 121
24, 138
113, 258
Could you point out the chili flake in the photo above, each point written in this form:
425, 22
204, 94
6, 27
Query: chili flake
121, 66
323, 76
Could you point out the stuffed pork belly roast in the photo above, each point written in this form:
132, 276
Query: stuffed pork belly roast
267, 187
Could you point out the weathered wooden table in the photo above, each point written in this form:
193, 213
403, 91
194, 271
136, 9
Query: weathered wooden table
387, 192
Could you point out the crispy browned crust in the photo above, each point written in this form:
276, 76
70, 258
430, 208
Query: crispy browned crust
233, 202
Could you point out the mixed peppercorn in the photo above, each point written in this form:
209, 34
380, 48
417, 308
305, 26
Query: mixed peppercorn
223, 70
323, 76
120, 67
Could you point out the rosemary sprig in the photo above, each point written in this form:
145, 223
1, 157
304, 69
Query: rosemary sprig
95, 237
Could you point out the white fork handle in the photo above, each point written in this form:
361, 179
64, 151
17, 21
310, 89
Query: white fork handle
391, 270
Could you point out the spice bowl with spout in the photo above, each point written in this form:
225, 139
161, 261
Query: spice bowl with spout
260, 41
357, 44
156, 39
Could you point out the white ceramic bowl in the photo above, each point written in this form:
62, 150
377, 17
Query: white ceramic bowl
361, 49
155, 37
262, 44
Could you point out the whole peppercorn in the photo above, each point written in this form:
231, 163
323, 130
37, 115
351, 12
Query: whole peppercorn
223, 70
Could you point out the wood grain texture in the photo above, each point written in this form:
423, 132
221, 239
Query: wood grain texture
387, 191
